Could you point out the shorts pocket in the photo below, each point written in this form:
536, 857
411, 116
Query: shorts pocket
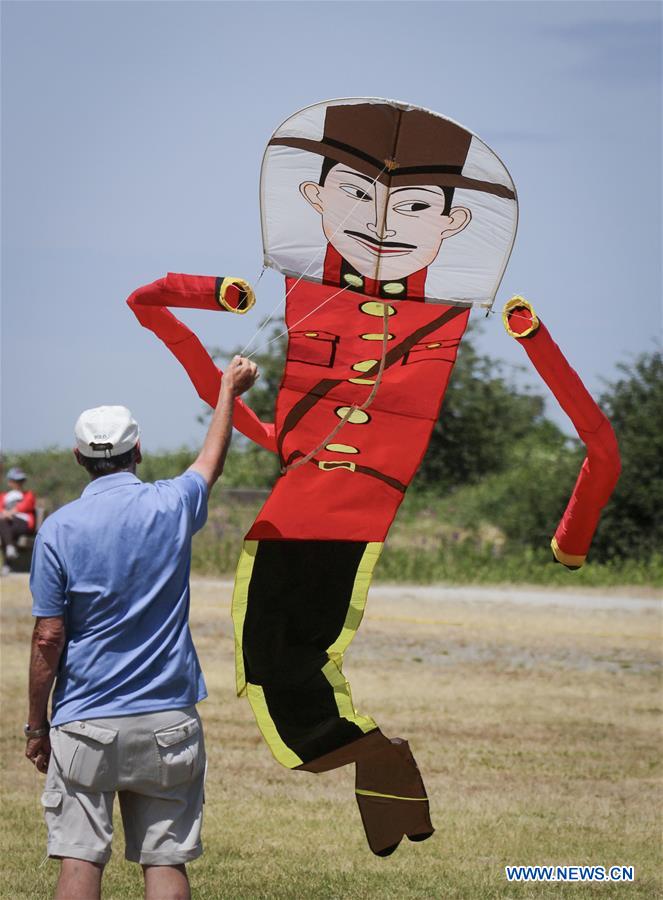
180, 752
51, 799
87, 755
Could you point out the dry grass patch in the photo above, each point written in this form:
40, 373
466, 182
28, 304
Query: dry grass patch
537, 729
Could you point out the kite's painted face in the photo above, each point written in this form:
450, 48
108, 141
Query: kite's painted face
385, 233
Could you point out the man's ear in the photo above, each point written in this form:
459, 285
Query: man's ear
77, 454
458, 219
138, 458
310, 190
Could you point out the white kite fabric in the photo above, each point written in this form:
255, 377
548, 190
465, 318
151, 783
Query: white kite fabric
399, 191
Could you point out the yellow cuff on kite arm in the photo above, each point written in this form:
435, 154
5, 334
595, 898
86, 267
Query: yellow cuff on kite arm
515, 303
235, 295
566, 559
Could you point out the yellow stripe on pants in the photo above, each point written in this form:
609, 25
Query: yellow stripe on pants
357, 604
239, 605
343, 697
281, 752
333, 669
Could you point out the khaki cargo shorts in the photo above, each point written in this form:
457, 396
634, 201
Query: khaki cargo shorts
156, 765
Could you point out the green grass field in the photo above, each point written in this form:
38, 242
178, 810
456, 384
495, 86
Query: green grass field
537, 727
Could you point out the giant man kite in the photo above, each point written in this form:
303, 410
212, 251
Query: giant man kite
389, 222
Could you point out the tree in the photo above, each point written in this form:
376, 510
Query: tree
632, 523
525, 500
483, 417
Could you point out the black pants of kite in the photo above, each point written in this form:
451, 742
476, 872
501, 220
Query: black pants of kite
296, 607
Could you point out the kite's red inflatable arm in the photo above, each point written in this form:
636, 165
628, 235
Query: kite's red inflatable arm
149, 305
600, 470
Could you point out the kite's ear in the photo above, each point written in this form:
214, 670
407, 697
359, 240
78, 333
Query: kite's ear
310, 191
460, 217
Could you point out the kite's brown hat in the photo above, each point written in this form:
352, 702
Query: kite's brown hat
396, 146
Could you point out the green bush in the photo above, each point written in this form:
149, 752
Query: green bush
53, 474
484, 413
526, 500
56, 478
632, 523
471, 562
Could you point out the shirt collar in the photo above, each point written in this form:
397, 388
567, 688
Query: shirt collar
106, 482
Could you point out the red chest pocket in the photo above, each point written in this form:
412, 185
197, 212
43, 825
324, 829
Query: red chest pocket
433, 351
316, 348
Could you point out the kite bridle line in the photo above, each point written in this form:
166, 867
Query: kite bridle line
351, 410
385, 333
292, 287
354, 408
295, 324
389, 164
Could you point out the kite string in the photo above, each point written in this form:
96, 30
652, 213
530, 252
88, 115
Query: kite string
262, 326
295, 324
512, 315
385, 338
292, 287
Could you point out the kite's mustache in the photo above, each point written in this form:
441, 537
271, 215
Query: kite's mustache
372, 240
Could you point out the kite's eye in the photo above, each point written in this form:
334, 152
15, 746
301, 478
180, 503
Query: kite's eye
410, 206
355, 192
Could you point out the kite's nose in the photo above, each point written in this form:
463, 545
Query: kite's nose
382, 232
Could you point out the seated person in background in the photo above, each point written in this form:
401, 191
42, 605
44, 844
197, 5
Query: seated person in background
17, 515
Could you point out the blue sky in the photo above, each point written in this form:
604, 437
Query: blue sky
132, 136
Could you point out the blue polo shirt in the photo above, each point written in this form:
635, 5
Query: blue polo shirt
115, 563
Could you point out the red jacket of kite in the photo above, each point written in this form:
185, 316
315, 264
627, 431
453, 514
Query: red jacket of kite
353, 485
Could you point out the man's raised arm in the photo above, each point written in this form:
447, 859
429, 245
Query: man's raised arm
240, 375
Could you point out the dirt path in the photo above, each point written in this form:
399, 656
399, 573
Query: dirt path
509, 628
628, 599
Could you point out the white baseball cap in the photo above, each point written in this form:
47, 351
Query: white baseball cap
106, 431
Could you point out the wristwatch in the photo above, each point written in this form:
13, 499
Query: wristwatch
36, 732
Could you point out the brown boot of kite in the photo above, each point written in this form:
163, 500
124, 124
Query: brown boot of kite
392, 798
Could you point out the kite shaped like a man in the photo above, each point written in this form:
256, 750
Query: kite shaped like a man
390, 222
